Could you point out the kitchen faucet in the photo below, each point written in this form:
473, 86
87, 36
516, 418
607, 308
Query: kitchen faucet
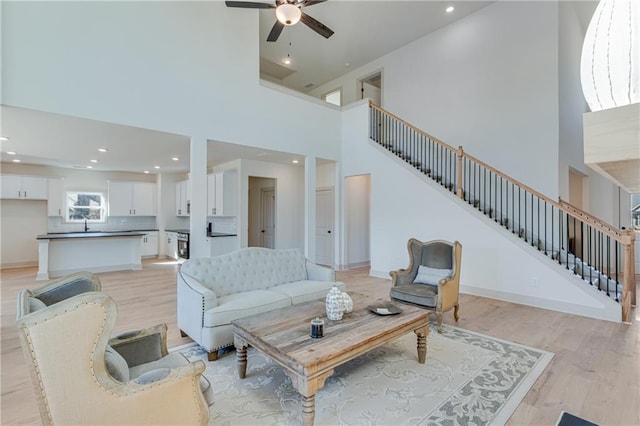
86, 228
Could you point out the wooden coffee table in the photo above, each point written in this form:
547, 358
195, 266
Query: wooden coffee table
284, 336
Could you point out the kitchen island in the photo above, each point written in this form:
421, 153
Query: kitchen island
65, 253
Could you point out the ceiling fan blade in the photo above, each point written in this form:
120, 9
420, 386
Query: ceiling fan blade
316, 26
275, 31
308, 3
249, 4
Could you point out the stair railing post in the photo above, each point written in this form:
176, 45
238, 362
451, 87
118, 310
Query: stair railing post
460, 190
629, 275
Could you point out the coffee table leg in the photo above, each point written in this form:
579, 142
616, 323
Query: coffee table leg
307, 389
422, 334
308, 410
241, 355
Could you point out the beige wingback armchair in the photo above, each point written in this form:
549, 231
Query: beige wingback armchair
82, 376
432, 279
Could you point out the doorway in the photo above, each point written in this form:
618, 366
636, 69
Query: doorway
357, 221
370, 87
324, 226
262, 212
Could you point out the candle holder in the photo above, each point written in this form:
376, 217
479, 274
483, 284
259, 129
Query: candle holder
317, 328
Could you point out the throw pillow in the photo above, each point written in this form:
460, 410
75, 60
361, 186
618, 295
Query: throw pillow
431, 276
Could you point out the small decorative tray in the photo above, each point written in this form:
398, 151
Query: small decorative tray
384, 309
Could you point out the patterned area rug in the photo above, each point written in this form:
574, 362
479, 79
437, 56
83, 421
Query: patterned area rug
468, 379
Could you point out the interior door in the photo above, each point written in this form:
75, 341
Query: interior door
324, 227
268, 209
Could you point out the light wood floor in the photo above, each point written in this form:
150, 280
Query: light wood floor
595, 373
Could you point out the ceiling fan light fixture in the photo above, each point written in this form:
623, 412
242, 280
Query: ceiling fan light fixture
288, 14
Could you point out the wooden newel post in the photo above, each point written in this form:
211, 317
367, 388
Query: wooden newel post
460, 155
629, 275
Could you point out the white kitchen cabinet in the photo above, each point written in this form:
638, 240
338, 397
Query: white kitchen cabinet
215, 201
149, 245
183, 198
55, 200
132, 199
171, 244
23, 187
221, 194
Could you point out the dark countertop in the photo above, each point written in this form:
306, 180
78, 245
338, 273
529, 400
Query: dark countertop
209, 234
220, 234
67, 235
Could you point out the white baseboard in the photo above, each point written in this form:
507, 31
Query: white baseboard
379, 274
355, 265
611, 312
17, 265
96, 269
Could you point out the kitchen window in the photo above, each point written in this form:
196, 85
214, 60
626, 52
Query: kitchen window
83, 206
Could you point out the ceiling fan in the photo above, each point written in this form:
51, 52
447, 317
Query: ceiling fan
288, 12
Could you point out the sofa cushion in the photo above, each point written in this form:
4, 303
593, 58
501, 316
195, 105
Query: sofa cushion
116, 365
252, 268
173, 360
240, 305
306, 290
431, 276
420, 294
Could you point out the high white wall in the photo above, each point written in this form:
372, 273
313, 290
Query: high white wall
571, 101
495, 263
488, 82
191, 66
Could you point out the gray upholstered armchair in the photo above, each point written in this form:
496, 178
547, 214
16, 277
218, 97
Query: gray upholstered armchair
82, 376
432, 279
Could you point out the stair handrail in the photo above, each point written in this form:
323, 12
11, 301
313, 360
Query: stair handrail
598, 224
624, 237
411, 126
591, 219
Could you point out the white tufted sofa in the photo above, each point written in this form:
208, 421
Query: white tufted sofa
214, 291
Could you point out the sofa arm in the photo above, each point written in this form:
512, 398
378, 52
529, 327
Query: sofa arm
141, 346
194, 300
319, 273
173, 399
401, 277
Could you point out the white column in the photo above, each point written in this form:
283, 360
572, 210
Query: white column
338, 223
310, 208
43, 260
198, 244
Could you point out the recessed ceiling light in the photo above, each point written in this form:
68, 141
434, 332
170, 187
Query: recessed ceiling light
295, 161
175, 158
89, 167
94, 161
11, 153
103, 149
450, 9
287, 61
16, 160
347, 65
146, 171
4, 138
156, 167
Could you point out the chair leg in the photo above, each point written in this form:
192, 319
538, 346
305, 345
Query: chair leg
213, 356
439, 318
455, 313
